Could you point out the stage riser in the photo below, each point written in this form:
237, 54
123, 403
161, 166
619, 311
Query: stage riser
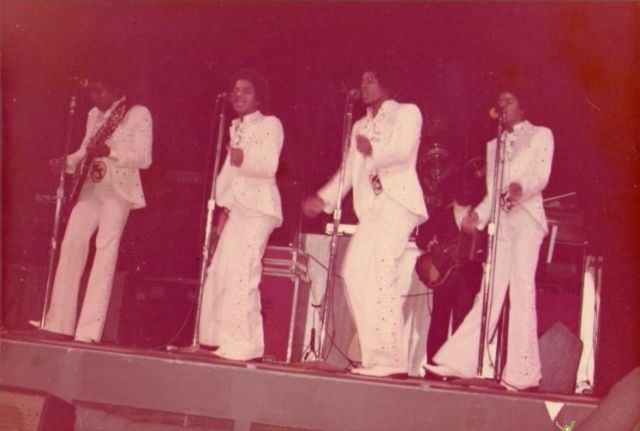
250, 396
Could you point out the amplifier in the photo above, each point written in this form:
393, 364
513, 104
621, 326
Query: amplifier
160, 310
284, 292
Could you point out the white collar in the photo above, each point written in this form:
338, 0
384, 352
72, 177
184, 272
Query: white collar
249, 118
385, 106
521, 126
113, 105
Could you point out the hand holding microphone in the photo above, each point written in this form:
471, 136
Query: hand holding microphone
363, 145
236, 156
511, 197
495, 112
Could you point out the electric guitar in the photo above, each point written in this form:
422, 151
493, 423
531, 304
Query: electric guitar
82, 171
436, 265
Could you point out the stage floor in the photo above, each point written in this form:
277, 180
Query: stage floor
212, 393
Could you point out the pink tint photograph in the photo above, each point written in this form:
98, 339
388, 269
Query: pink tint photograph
319, 215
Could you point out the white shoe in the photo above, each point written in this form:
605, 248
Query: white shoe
443, 371
233, 356
85, 340
517, 388
377, 371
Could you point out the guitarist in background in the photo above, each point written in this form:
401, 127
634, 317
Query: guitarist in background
447, 266
116, 145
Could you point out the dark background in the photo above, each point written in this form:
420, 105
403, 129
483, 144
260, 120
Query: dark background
579, 61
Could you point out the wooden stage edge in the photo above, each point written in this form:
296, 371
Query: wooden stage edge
242, 396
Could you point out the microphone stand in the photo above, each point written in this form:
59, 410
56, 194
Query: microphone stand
492, 242
337, 216
208, 247
55, 236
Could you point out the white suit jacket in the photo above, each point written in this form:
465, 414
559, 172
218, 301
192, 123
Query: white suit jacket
253, 184
130, 147
394, 134
528, 157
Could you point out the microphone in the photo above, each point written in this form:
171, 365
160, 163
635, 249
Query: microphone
495, 112
80, 81
353, 94
222, 99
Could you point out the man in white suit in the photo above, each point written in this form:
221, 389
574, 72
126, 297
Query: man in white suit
389, 204
523, 225
112, 189
250, 208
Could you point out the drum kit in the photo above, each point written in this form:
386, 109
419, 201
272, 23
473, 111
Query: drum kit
436, 166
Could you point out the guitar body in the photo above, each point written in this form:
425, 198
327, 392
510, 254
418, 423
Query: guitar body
436, 265
73, 191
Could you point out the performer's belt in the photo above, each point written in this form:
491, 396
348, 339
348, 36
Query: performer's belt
376, 184
98, 170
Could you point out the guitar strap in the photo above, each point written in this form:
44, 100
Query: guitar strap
98, 169
106, 129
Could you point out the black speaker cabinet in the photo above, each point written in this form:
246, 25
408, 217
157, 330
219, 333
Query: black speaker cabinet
26, 410
157, 311
23, 288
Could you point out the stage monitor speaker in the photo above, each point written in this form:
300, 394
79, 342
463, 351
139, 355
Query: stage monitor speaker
25, 410
284, 294
560, 352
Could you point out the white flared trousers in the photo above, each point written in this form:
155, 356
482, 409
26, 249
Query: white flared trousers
519, 242
230, 314
370, 274
99, 207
